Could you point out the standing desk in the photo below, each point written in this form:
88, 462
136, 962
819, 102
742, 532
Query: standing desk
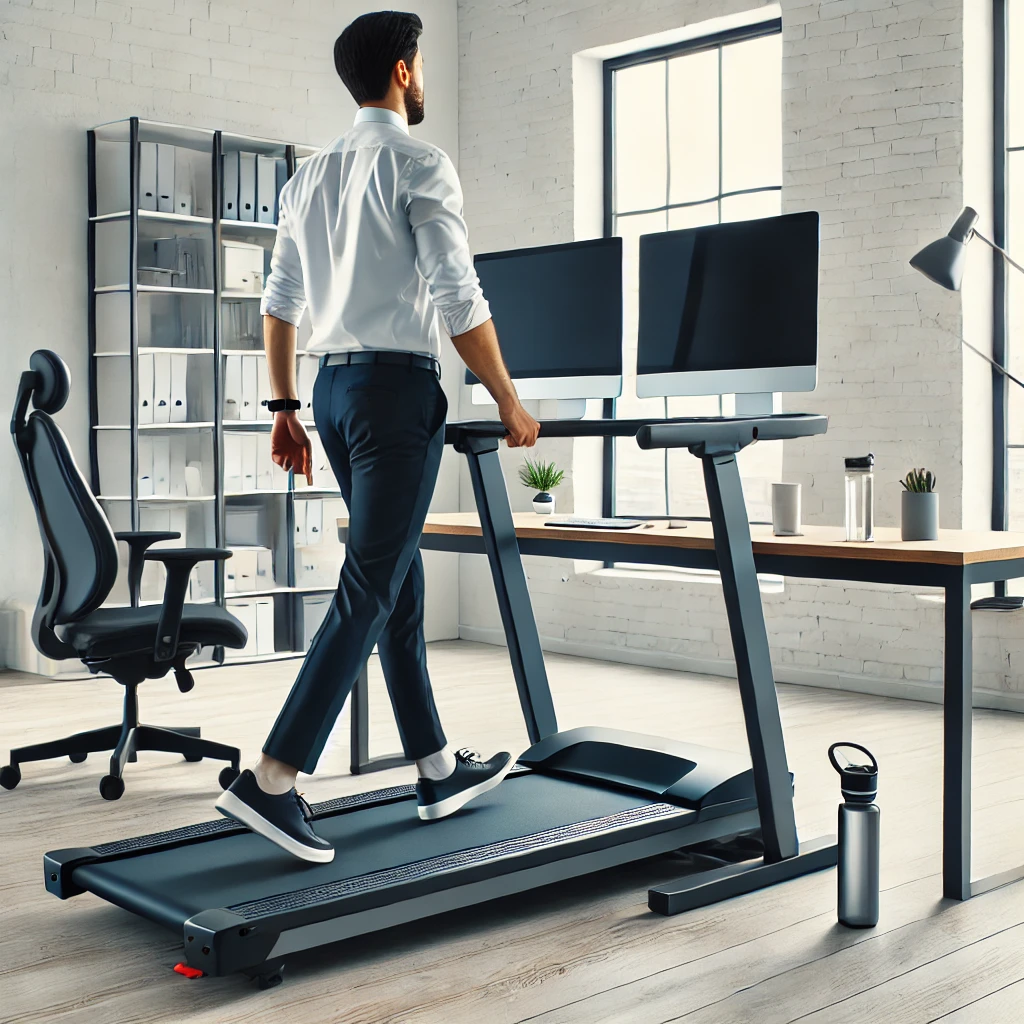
953, 563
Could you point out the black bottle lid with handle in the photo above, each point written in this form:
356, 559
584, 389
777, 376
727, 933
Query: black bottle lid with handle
862, 462
858, 782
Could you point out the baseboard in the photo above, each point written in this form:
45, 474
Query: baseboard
875, 686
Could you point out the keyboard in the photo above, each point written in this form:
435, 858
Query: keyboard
580, 523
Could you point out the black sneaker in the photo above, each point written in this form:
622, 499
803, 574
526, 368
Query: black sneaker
282, 819
437, 798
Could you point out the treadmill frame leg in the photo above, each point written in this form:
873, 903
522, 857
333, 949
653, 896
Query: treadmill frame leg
785, 856
268, 974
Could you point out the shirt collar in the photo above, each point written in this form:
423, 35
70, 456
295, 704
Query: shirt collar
383, 116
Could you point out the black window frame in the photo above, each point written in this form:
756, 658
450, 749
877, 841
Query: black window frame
713, 41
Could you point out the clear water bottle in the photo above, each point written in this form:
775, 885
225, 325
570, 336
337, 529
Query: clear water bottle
860, 498
858, 839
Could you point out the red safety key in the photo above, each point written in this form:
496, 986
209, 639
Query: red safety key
189, 972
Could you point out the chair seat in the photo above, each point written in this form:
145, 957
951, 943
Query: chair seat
114, 632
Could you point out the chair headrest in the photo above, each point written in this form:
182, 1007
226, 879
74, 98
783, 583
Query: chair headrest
53, 381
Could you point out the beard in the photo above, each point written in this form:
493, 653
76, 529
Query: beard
414, 105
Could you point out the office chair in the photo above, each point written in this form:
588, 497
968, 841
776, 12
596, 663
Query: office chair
81, 563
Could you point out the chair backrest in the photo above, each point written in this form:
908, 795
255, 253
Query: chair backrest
79, 546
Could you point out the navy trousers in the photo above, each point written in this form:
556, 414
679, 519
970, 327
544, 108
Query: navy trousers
382, 427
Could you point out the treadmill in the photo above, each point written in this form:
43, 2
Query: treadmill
576, 802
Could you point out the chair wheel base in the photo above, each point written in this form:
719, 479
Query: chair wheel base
10, 776
111, 787
77, 758
227, 776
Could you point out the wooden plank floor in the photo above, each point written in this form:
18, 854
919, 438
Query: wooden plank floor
586, 951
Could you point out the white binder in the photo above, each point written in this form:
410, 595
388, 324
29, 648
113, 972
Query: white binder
161, 465
250, 455
282, 177
240, 570
165, 178
266, 478
145, 468
179, 383
314, 521
178, 523
250, 376
193, 479
179, 450
265, 625
247, 186
145, 387
314, 610
161, 387
232, 461
300, 523
183, 201
245, 612
266, 188
265, 569
263, 392
147, 176
230, 205
232, 387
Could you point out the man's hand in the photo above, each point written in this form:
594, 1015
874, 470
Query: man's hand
522, 427
290, 446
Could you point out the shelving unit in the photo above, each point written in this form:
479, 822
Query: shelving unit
133, 314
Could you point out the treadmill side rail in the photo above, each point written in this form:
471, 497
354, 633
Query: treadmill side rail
221, 942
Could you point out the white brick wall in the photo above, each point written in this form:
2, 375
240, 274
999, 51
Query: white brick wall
261, 67
873, 128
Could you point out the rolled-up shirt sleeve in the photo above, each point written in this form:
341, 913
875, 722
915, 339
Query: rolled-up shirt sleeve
284, 293
434, 204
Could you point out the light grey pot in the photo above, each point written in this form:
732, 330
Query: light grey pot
920, 515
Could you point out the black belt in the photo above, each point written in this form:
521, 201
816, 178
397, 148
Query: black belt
393, 358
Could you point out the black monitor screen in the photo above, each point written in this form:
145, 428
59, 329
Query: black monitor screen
557, 308
730, 296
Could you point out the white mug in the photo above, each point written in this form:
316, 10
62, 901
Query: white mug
786, 510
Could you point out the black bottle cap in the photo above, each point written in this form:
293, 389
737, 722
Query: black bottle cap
861, 462
858, 782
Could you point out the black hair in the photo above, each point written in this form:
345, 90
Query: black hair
366, 53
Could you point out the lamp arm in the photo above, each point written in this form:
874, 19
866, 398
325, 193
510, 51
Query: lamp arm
992, 362
1002, 252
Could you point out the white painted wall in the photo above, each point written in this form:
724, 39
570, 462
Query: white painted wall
263, 67
884, 108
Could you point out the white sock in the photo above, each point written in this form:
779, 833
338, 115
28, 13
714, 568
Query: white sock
274, 781
437, 766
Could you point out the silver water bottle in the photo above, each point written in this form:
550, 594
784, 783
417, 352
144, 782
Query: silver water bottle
858, 839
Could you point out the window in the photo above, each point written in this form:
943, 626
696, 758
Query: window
1009, 233
693, 136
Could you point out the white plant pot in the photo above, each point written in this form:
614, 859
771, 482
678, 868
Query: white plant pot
544, 503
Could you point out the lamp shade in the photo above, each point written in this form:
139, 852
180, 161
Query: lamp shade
942, 261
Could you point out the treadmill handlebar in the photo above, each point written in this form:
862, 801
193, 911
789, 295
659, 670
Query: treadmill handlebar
680, 432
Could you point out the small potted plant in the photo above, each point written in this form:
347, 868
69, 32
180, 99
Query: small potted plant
541, 477
920, 518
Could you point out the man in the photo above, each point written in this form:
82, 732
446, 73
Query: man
371, 238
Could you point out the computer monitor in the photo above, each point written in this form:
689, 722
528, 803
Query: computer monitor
729, 308
558, 313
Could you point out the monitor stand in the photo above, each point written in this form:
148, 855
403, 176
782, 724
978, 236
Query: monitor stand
756, 403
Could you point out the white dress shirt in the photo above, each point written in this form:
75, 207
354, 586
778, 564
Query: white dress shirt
371, 237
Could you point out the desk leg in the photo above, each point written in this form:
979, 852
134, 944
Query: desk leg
956, 766
360, 762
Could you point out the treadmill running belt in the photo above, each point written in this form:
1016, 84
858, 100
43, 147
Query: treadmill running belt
171, 885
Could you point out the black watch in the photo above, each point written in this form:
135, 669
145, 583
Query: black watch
283, 404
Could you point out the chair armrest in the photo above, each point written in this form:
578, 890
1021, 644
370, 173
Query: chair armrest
138, 541
179, 563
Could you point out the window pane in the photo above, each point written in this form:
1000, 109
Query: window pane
641, 171
693, 216
752, 113
751, 205
1015, 74
693, 126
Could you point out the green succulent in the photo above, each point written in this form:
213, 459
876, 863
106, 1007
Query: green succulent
540, 476
920, 481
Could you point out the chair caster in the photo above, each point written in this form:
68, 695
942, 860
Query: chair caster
77, 758
193, 757
111, 787
10, 776
227, 776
